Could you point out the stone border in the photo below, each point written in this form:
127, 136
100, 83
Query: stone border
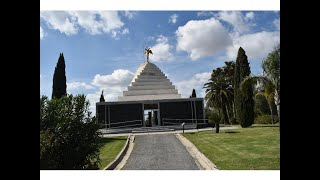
127, 155
201, 160
119, 157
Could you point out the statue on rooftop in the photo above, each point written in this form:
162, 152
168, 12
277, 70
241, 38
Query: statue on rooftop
147, 51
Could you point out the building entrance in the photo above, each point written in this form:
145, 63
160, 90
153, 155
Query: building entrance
151, 115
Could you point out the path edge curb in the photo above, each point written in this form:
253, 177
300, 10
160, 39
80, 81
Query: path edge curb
200, 158
119, 157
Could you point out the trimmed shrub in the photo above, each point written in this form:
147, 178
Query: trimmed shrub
265, 119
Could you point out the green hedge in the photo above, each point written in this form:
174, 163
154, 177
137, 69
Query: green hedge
265, 119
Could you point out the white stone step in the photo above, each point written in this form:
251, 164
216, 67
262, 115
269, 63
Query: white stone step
146, 87
152, 80
149, 92
151, 83
149, 97
151, 73
151, 77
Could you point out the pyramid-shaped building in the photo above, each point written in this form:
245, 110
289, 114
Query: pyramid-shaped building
149, 83
150, 100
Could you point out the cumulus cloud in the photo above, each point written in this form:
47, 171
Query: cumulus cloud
129, 14
125, 31
236, 19
79, 85
118, 77
93, 22
202, 38
93, 99
112, 85
41, 33
161, 50
256, 45
61, 21
205, 13
196, 82
276, 24
173, 18
249, 16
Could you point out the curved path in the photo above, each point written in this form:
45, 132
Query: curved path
159, 152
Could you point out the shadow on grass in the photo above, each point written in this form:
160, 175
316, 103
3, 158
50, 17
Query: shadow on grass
107, 140
231, 132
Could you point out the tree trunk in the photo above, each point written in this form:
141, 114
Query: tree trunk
277, 102
225, 115
227, 112
234, 110
217, 127
278, 109
271, 111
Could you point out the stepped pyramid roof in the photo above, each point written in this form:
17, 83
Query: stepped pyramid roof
149, 83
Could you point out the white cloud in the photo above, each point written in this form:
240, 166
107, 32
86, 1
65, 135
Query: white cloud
162, 50
111, 20
196, 82
173, 18
249, 16
41, 33
94, 22
125, 31
78, 85
236, 19
256, 45
112, 85
276, 24
86, 19
61, 21
118, 77
202, 38
93, 99
205, 13
129, 14
98, 22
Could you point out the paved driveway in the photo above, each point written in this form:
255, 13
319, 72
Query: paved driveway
159, 152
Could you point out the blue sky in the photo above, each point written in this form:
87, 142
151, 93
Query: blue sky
103, 49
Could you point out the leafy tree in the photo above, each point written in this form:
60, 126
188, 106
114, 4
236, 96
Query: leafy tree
261, 105
243, 96
270, 80
229, 75
219, 92
194, 95
102, 97
69, 136
59, 86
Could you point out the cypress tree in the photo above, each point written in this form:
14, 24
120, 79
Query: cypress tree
243, 97
194, 95
59, 86
102, 97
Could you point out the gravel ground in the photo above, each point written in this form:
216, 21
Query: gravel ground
159, 152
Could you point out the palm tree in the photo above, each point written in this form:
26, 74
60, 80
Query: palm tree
270, 80
229, 69
219, 92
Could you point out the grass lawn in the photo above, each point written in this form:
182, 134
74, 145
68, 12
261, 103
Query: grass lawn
256, 148
111, 148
